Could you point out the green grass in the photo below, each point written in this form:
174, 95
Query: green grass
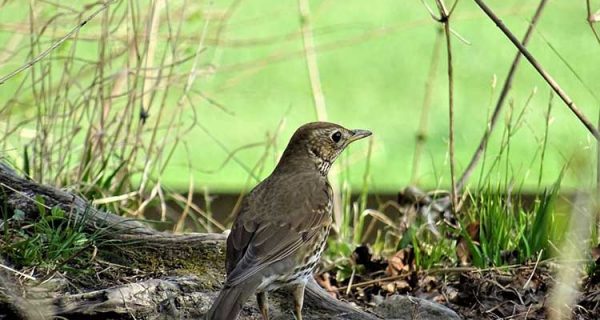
131, 118
373, 60
51, 242
512, 231
499, 224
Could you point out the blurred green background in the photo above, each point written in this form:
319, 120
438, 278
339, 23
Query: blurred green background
373, 59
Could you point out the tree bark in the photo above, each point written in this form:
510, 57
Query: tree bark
182, 272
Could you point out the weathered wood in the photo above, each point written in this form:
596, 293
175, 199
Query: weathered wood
191, 268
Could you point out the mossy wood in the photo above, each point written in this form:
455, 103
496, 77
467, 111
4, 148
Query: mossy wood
182, 273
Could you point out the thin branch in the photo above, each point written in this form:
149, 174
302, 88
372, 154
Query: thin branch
17, 272
591, 18
317, 92
503, 94
431, 13
54, 45
311, 60
449, 270
445, 20
553, 84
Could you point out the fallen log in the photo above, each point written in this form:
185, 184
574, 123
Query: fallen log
181, 273
167, 276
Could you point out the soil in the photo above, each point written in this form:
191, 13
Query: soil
513, 292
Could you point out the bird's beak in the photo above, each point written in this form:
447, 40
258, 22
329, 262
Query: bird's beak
358, 134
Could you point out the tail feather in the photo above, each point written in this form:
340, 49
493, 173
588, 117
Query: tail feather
230, 301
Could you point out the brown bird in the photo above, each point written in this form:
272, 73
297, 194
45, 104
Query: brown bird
281, 229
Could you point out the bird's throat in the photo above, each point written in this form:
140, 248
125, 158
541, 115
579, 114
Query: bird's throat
323, 166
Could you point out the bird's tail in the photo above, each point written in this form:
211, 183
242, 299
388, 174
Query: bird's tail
230, 301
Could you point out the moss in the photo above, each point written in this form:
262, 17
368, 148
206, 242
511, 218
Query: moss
208, 277
207, 263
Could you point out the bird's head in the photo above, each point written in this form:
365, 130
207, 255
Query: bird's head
319, 144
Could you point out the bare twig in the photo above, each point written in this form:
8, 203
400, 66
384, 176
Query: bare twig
445, 20
503, 94
224, 22
547, 77
189, 201
17, 272
153, 27
55, 44
537, 261
317, 93
198, 210
445, 270
591, 18
311, 60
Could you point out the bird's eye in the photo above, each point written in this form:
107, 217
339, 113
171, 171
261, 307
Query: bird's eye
336, 136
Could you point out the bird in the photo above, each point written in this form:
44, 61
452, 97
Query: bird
282, 226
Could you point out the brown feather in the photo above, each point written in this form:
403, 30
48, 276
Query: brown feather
281, 229
266, 232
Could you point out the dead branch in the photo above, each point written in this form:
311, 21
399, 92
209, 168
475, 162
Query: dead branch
547, 77
444, 19
55, 44
503, 94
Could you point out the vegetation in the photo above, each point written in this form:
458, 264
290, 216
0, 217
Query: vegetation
252, 54
50, 244
147, 107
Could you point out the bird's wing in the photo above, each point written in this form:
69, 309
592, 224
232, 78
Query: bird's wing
255, 244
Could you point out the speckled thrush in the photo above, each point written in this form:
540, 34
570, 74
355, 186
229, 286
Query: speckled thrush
281, 229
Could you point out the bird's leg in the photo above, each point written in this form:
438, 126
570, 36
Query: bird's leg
263, 304
298, 300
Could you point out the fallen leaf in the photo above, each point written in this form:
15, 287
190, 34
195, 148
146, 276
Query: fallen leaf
389, 287
324, 280
402, 286
428, 283
401, 261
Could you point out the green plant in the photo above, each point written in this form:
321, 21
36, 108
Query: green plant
50, 242
433, 249
92, 117
510, 231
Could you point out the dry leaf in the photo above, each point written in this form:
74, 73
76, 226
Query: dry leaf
403, 260
324, 280
402, 286
390, 287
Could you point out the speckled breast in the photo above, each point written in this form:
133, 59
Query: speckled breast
306, 257
304, 270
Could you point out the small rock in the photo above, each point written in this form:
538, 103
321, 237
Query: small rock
390, 287
377, 299
402, 307
451, 293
